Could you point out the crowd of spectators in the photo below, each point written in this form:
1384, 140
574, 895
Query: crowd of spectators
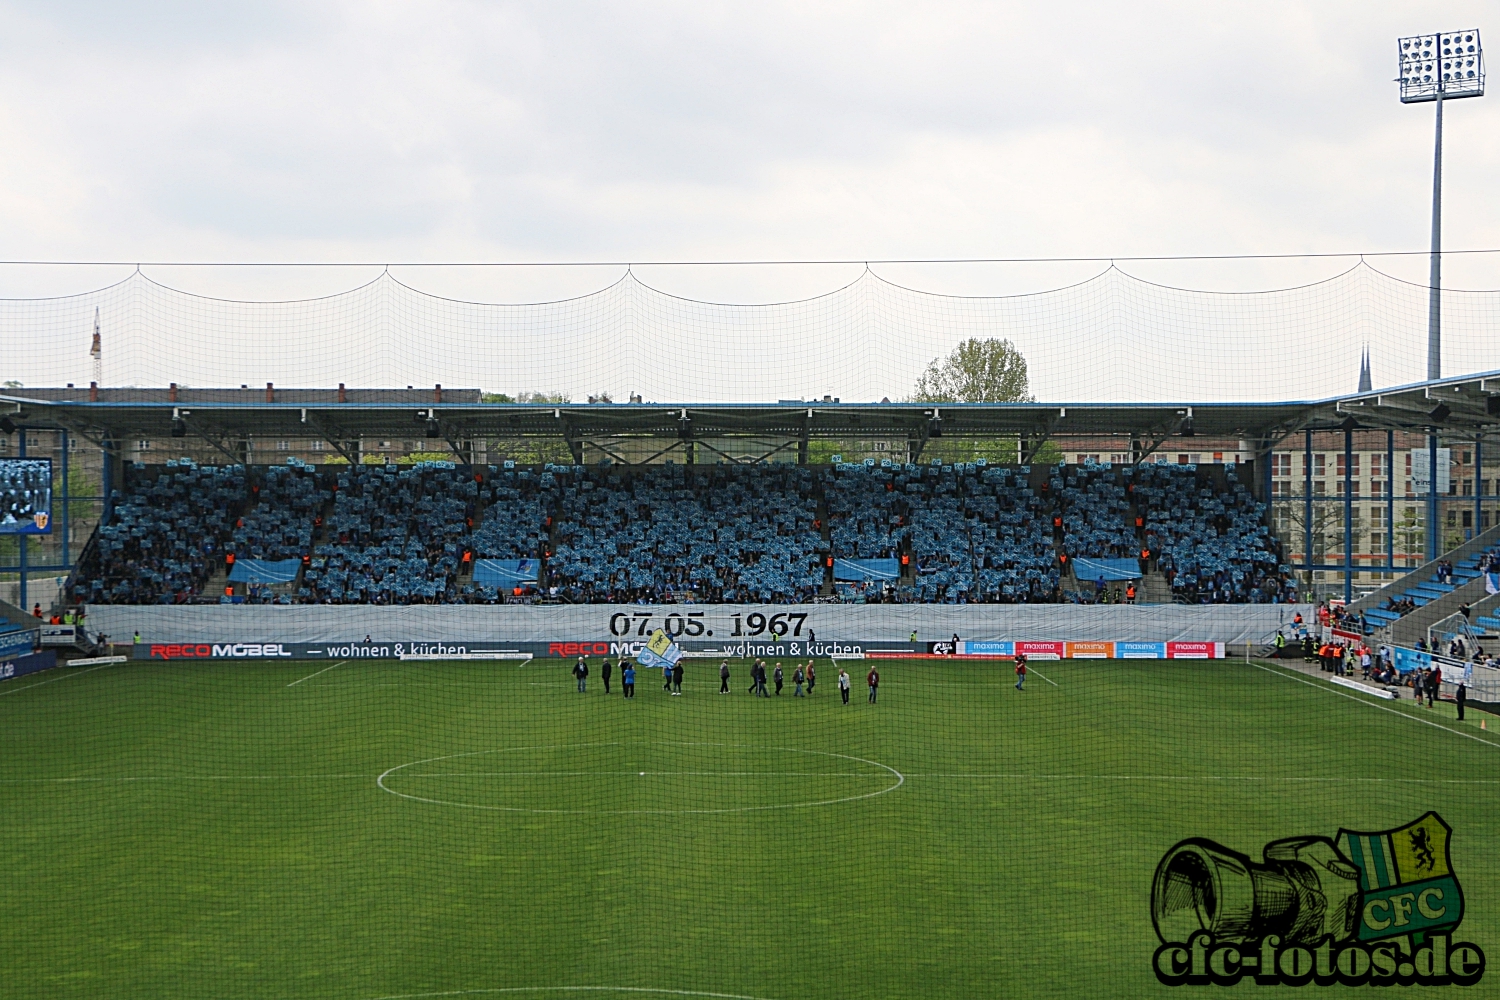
1212, 545
719, 533
767, 533
396, 536
166, 537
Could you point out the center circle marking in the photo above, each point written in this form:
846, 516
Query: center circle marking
900, 779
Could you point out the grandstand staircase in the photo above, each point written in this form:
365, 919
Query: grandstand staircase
1435, 601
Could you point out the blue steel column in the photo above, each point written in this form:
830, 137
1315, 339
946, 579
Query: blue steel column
1432, 497
1307, 517
1478, 482
1348, 516
1390, 500
63, 437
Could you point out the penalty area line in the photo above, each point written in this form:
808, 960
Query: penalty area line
312, 675
53, 680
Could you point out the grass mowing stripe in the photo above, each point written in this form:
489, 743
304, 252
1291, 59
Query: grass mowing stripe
218, 833
572, 989
998, 775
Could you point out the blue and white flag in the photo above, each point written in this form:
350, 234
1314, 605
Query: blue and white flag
661, 651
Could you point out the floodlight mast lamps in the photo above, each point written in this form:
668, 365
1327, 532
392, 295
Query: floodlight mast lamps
1444, 66
1447, 65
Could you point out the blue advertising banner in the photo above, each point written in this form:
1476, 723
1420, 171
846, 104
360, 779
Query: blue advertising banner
1408, 660
17, 643
20, 666
1141, 650
987, 649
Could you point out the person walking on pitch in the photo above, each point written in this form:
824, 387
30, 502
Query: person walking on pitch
873, 679
778, 680
581, 671
844, 684
812, 677
677, 678
666, 677
724, 677
754, 677
797, 679
627, 680
604, 672
1020, 671
760, 680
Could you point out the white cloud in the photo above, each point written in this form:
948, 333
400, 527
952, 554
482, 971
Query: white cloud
468, 131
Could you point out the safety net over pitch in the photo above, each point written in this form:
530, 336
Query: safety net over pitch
1110, 338
780, 821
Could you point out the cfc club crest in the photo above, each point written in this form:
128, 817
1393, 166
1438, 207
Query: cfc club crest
1377, 908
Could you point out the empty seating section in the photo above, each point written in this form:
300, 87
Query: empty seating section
394, 537
166, 536
723, 533
959, 532
1210, 541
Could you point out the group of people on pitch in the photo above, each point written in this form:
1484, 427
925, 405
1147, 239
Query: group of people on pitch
672, 678
801, 674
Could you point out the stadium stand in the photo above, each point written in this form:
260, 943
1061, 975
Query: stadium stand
288, 499
1212, 538
774, 533
396, 537
724, 533
973, 532
165, 539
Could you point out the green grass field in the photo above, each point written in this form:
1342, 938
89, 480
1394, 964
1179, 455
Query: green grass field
426, 829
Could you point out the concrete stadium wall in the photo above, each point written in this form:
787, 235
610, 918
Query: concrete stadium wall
864, 623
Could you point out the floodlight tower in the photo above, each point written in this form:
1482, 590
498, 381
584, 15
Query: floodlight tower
1436, 68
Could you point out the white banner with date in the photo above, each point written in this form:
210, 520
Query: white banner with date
697, 626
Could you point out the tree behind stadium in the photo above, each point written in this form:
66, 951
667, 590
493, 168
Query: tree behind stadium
977, 371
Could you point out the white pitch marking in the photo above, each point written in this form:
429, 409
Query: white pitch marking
1370, 704
311, 676
900, 780
1043, 676
53, 680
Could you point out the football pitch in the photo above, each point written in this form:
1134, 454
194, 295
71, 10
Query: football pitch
374, 830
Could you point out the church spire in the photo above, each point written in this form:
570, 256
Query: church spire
1365, 383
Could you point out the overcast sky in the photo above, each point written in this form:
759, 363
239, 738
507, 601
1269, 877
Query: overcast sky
663, 131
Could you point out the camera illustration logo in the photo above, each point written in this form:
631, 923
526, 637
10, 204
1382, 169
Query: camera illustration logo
1376, 908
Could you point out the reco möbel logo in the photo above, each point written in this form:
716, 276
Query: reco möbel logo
1376, 908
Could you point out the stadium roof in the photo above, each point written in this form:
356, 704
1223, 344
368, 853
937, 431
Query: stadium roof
1467, 404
